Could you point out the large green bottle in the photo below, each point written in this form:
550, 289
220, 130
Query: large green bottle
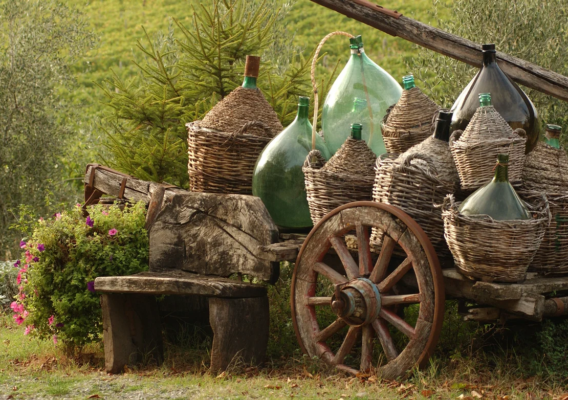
278, 178
361, 79
552, 135
497, 199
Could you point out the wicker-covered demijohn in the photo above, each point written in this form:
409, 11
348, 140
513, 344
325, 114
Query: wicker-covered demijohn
492, 250
348, 176
224, 146
409, 121
417, 182
546, 171
475, 149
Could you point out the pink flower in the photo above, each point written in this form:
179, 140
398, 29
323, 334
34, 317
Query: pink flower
19, 278
19, 319
57, 216
14, 306
22, 244
25, 314
17, 307
50, 320
78, 205
54, 339
40, 220
112, 232
22, 296
29, 328
104, 212
29, 256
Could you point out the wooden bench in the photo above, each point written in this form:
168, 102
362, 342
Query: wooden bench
199, 242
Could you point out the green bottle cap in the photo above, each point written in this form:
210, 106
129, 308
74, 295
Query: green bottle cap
304, 101
408, 82
356, 131
356, 42
502, 158
484, 99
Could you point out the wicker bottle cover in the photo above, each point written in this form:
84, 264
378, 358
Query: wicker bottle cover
487, 135
409, 121
347, 176
418, 181
546, 171
224, 146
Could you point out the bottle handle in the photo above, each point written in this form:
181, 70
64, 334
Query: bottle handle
408, 158
254, 124
314, 84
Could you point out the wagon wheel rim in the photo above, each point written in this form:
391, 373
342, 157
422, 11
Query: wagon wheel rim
371, 284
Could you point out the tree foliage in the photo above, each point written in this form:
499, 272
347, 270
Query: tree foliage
186, 72
529, 29
38, 40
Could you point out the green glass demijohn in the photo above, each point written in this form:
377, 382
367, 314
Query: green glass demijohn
498, 198
278, 178
361, 93
552, 135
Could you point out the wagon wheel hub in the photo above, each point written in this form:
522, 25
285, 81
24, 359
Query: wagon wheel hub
358, 302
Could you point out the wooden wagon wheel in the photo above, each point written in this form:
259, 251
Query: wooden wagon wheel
360, 303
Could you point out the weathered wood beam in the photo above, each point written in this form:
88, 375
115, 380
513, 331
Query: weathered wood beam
521, 71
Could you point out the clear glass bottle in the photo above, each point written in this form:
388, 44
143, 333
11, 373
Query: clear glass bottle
507, 98
552, 135
360, 79
498, 198
278, 178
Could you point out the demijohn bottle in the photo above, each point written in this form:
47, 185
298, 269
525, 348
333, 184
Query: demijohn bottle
278, 178
507, 98
498, 198
552, 135
360, 79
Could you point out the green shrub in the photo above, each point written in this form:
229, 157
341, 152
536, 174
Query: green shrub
62, 259
8, 285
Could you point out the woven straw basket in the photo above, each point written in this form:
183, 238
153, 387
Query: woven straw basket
348, 176
475, 149
417, 182
546, 171
224, 146
492, 250
409, 121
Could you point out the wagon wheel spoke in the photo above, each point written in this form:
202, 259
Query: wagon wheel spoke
387, 301
347, 344
367, 348
395, 276
331, 274
398, 323
351, 268
365, 261
335, 326
385, 338
380, 269
319, 301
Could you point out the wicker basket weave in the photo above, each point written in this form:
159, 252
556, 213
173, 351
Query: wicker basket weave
417, 184
475, 149
546, 171
493, 250
348, 176
221, 162
409, 121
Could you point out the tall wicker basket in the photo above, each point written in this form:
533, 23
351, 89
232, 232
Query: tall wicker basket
224, 146
409, 121
475, 149
546, 171
417, 182
491, 250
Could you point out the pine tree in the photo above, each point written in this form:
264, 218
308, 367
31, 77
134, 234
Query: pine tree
187, 72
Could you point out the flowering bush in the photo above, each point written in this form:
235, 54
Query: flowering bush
61, 260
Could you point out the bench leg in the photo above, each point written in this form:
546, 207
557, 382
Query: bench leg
240, 330
131, 330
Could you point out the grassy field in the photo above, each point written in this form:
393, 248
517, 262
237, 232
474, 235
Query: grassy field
33, 368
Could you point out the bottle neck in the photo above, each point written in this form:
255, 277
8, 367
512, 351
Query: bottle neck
442, 131
553, 142
489, 57
501, 173
249, 82
303, 112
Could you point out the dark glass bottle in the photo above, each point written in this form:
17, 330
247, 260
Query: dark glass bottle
278, 178
498, 198
442, 127
552, 135
507, 98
